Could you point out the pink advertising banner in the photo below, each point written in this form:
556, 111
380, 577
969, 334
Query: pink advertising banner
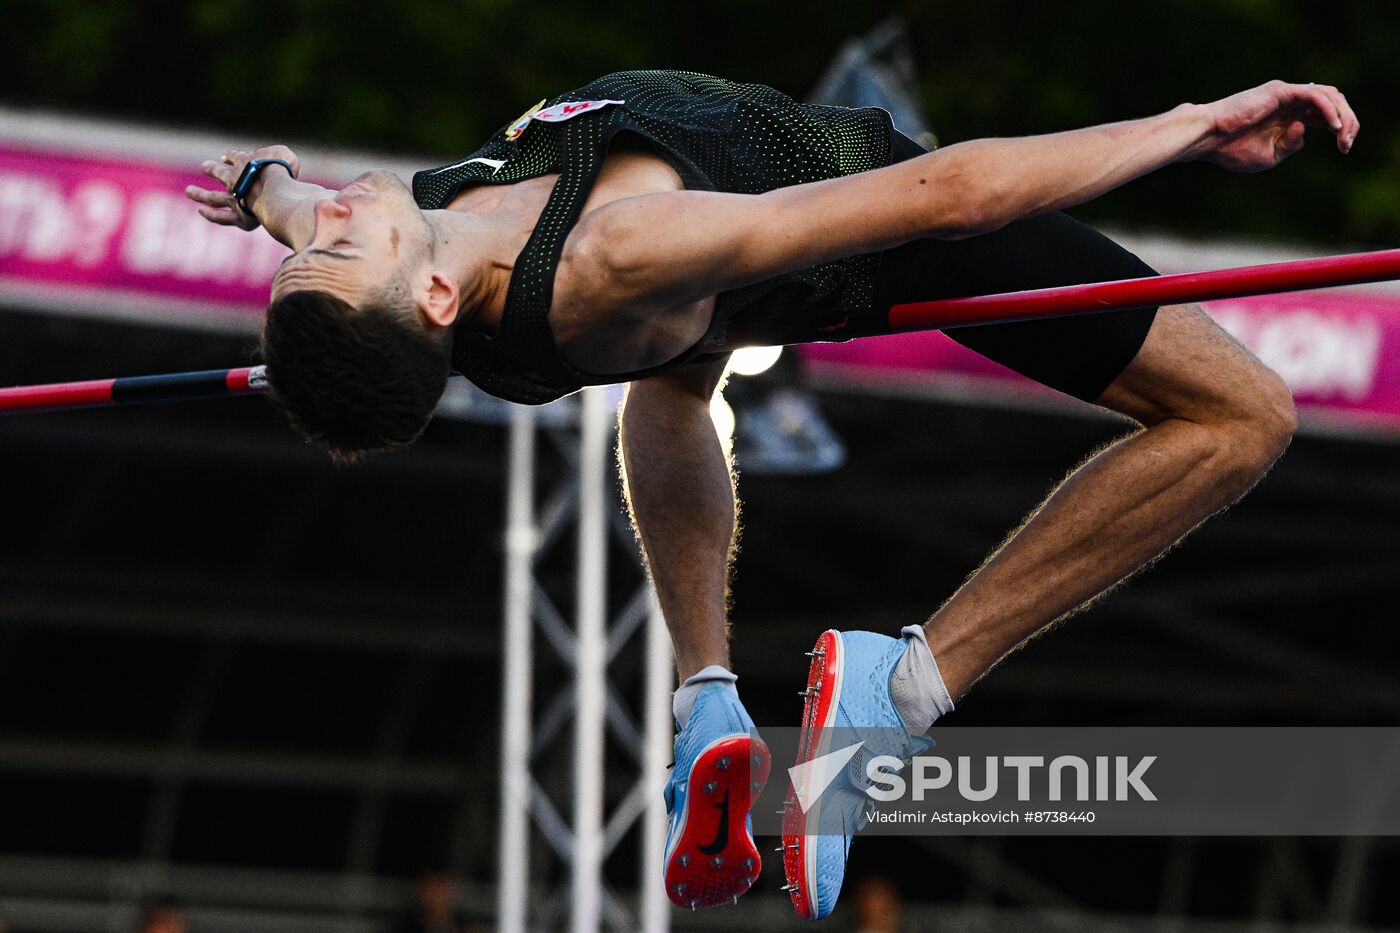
106, 226
1338, 350
113, 231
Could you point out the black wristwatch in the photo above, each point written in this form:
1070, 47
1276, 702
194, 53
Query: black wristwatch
250, 175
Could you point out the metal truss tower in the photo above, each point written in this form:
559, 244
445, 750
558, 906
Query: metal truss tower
556, 835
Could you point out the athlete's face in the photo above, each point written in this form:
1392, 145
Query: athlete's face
368, 237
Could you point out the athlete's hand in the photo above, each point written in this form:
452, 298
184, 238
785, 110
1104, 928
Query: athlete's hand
1257, 129
218, 206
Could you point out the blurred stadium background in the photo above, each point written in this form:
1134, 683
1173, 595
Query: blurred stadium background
241, 689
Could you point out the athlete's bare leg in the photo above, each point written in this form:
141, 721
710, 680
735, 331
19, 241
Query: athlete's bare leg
1214, 419
680, 491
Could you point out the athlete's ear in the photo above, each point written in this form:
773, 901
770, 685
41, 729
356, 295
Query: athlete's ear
437, 299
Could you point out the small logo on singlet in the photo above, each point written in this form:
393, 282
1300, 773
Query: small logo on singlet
560, 112
518, 126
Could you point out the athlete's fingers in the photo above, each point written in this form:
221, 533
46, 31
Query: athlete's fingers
1322, 103
1336, 113
1351, 124
224, 218
218, 171
1291, 140
209, 196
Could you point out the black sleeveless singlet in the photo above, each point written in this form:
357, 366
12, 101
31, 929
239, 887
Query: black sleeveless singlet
718, 136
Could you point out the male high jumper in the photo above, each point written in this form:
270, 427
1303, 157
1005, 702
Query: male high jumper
616, 233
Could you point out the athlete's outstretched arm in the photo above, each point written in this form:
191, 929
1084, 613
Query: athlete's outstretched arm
277, 200
678, 247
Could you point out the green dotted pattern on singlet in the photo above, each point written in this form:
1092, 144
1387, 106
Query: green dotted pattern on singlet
718, 135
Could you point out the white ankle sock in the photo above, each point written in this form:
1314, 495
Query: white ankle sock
917, 687
683, 701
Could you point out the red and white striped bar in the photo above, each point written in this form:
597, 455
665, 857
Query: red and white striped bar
1190, 287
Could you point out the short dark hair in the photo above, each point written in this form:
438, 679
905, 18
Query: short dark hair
355, 379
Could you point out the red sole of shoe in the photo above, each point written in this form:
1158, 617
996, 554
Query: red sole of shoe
818, 709
714, 860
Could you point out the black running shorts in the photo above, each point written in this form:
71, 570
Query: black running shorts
1077, 355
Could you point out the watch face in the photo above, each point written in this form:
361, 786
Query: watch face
250, 172
243, 179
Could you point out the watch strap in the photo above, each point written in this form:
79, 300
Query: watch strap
249, 175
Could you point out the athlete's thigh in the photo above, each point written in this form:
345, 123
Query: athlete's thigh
1188, 366
1078, 355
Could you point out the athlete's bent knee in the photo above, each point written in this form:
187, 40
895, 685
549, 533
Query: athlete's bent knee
1278, 416
1264, 424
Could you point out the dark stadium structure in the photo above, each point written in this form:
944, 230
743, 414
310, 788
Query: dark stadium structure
235, 674
238, 678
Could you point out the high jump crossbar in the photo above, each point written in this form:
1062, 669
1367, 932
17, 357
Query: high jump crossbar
1182, 288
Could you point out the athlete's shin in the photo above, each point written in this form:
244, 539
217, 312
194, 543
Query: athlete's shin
681, 498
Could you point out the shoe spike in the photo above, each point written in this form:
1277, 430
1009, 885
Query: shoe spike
816, 653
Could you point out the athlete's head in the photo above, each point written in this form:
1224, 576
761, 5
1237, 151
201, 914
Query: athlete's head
357, 338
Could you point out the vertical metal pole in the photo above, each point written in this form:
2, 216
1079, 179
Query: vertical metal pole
659, 728
590, 684
521, 542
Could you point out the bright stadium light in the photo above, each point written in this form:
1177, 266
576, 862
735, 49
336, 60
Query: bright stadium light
751, 361
723, 417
